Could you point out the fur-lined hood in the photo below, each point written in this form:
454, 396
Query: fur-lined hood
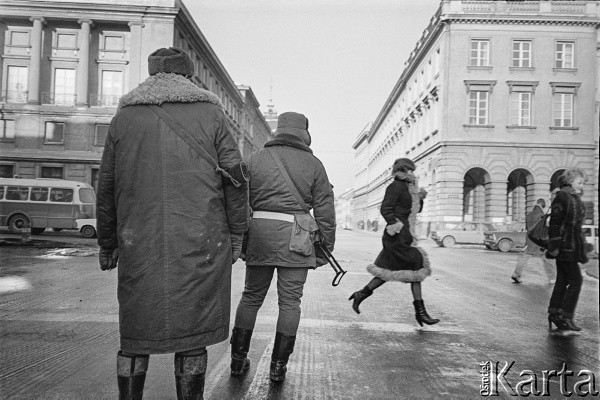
167, 88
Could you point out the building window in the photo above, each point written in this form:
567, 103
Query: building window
17, 43
7, 171
520, 108
19, 38
100, 134
55, 133
7, 130
521, 55
95, 174
112, 87
113, 43
480, 53
64, 86
52, 172
478, 107
562, 110
16, 84
565, 55
66, 41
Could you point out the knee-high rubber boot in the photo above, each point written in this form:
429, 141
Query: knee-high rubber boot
240, 344
131, 376
284, 346
189, 376
359, 296
421, 314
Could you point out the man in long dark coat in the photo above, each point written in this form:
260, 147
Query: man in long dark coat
172, 220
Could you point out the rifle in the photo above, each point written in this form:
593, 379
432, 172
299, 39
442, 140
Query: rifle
339, 271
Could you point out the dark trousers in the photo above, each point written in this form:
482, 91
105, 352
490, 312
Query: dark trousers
567, 287
290, 284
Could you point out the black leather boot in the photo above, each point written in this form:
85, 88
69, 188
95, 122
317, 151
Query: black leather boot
555, 318
421, 314
284, 346
189, 376
131, 376
240, 344
359, 297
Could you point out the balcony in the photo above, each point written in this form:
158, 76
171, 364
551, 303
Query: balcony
16, 51
14, 96
103, 100
563, 8
58, 99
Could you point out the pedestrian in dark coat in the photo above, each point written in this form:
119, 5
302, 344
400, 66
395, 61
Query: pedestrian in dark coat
531, 249
568, 246
273, 209
172, 222
401, 259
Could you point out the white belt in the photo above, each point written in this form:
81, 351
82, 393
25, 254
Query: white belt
273, 215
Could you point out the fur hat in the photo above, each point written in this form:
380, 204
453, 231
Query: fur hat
170, 61
403, 164
295, 124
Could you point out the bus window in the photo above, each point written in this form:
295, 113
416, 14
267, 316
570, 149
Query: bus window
17, 193
61, 195
87, 195
39, 194
1, 192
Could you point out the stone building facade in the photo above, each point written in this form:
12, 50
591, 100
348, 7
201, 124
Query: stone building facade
495, 101
64, 66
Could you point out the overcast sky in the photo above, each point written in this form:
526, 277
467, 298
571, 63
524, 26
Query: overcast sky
336, 61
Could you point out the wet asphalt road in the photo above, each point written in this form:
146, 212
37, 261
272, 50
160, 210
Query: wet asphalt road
59, 334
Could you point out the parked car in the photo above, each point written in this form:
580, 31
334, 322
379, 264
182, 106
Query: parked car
510, 237
462, 232
87, 227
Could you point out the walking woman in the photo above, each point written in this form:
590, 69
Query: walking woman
568, 246
400, 260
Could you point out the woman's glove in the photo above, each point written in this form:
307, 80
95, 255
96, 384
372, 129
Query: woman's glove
394, 228
108, 258
236, 246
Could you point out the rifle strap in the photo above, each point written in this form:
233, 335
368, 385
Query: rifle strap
189, 139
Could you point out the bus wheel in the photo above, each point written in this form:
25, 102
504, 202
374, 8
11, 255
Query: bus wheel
37, 231
17, 222
88, 231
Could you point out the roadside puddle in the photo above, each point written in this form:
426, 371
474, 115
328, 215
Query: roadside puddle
13, 284
65, 253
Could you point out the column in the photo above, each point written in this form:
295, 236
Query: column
135, 57
495, 201
35, 63
449, 200
83, 69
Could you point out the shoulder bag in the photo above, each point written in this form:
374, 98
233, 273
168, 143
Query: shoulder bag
538, 233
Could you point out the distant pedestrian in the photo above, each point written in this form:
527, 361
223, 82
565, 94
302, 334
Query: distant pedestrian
283, 174
531, 250
401, 259
568, 247
173, 220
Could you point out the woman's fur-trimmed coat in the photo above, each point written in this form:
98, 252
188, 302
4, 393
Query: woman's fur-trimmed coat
401, 259
171, 215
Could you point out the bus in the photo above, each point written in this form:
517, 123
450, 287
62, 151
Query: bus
46, 203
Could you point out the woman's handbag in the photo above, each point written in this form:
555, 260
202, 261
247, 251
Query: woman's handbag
305, 228
538, 234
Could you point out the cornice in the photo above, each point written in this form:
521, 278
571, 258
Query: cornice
521, 20
82, 10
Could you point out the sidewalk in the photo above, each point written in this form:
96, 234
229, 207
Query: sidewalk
591, 268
